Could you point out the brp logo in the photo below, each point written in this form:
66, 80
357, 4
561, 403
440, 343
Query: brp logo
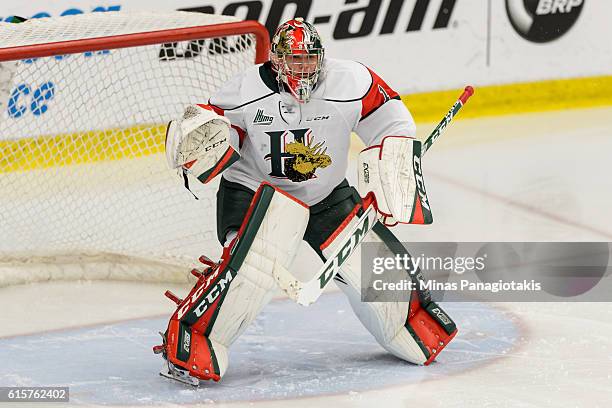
542, 21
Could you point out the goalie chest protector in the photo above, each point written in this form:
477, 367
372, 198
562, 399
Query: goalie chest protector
303, 148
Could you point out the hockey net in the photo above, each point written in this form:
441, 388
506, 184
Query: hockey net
85, 192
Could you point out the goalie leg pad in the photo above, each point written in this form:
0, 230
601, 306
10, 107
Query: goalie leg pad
415, 331
227, 298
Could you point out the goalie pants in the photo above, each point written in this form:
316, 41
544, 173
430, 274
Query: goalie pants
233, 202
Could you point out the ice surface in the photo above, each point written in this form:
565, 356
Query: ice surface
289, 351
535, 177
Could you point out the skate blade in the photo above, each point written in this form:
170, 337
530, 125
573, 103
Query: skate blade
177, 376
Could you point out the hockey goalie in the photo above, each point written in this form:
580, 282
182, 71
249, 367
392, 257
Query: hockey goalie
278, 137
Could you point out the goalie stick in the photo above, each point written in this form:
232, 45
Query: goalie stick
308, 292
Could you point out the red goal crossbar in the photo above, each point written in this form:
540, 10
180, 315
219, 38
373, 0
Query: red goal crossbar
262, 45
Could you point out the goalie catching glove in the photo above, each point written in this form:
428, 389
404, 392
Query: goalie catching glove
199, 143
392, 170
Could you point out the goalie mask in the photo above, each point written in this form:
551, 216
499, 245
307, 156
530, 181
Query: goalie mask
297, 56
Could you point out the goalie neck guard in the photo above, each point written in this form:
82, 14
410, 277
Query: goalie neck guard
297, 56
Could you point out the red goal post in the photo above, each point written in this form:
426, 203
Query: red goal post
85, 192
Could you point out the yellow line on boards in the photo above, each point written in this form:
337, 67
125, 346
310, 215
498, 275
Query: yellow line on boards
79, 148
514, 98
114, 144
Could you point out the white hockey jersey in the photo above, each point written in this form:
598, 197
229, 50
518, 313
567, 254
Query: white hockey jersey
303, 148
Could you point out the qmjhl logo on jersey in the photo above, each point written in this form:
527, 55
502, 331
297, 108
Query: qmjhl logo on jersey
293, 155
543, 21
262, 119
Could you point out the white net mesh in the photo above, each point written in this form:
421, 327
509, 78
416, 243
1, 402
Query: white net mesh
83, 178
105, 24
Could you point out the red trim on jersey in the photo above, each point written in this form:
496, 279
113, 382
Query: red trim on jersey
241, 134
377, 95
208, 107
213, 108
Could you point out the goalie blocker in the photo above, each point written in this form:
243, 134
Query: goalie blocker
231, 293
392, 171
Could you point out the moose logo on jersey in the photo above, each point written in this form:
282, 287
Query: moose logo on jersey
295, 159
